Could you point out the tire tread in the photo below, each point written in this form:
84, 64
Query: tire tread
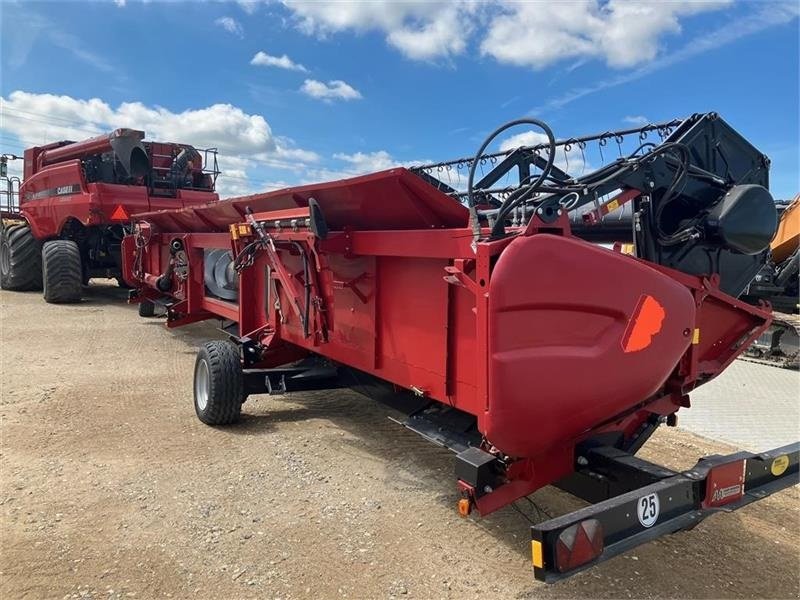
226, 383
25, 259
62, 273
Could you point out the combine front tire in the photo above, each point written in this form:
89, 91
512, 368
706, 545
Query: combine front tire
61, 267
218, 383
20, 259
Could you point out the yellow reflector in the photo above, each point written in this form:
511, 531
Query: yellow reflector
536, 554
244, 229
613, 205
779, 465
234, 232
696, 336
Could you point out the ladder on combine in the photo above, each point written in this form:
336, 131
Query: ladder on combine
9, 189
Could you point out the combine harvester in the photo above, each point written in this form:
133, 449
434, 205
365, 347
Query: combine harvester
491, 318
777, 283
64, 222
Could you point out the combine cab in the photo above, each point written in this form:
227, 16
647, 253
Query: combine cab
482, 305
64, 222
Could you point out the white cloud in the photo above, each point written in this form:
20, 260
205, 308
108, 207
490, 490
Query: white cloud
233, 181
333, 90
230, 25
538, 34
263, 59
120, 3
572, 161
420, 30
767, 15
368, 162
286, 151
530, 34
357, 163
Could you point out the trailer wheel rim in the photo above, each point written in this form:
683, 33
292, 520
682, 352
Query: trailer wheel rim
201, 385
5, 258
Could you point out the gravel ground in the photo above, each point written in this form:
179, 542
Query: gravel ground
111, 488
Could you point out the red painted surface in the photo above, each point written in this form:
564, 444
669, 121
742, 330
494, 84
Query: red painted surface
61, 152
568, 318
528, 333
390, 200
47, 210
725, 484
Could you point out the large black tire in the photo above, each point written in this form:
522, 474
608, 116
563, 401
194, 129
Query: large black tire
61, 270
20, 259
218, 383
147, 308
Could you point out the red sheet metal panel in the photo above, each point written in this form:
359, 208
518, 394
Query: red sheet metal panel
560, 311
393, 199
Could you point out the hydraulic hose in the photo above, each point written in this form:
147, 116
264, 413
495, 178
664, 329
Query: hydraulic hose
510, 203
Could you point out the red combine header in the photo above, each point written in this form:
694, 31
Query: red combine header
64, 223
494, 321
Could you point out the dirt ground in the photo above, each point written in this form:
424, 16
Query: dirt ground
111, 488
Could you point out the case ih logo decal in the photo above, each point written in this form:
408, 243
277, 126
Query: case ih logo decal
62, 190
644, 325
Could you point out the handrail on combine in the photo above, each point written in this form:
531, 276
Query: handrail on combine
9, 187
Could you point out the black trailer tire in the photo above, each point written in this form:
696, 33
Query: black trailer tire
61, 270
147, 308
20, 259
218, 383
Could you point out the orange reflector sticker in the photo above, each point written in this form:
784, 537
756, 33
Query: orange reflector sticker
537, 557
119, 214
644, 325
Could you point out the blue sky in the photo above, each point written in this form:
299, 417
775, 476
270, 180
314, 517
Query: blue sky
353, 87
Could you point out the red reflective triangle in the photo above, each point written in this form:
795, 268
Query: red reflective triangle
119, 214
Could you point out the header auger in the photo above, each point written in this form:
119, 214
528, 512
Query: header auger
481, 306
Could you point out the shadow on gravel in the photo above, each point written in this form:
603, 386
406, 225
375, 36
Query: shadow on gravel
413, 464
